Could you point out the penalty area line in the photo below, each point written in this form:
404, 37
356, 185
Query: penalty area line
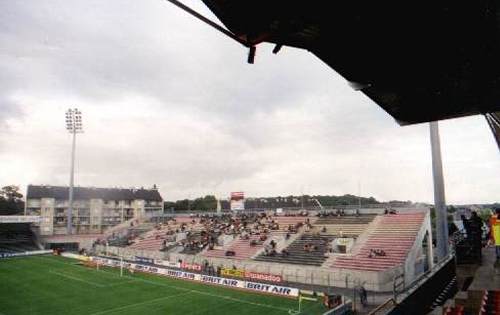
184, 289
121, 308
229, 298
77, 279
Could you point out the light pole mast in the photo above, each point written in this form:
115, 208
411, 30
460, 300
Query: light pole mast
74, 126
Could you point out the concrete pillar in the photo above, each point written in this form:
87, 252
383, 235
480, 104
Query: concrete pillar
439, 197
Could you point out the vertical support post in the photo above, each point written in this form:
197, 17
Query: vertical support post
439, 196
121, 266
71, 183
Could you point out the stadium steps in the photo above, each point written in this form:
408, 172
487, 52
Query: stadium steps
336, 230
284, 221
345, 219
297, 255
16, 237
242, 249
153, 238
194, 236
385, 235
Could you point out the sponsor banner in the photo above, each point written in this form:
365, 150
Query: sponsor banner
187, 266
144, 260
237, 200
237, 195
223, 281
238, 204
182, 274
240, 273
20, 219
75, 256
167, 263
262, 276
35, 252
253, 286
273, 289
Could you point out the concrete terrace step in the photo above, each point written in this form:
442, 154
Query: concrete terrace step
242, 249
395, 234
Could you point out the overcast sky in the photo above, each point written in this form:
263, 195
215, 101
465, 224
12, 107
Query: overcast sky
169, 101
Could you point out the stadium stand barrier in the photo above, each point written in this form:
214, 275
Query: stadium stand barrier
310, 276
240, 284
343, 309
383, 308
29, 253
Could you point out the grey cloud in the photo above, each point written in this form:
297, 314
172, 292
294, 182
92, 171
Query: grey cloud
192, 114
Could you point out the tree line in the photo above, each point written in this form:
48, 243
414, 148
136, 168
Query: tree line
11, 201
209, 202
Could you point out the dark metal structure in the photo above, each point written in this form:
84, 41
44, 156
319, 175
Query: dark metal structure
419, 61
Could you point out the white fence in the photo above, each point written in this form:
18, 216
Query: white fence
20, 219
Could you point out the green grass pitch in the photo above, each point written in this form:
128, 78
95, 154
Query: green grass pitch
56, 285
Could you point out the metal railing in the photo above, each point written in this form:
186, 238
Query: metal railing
383, 308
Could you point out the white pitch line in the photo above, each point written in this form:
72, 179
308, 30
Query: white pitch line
184, 289
209, 294
138, 304
77, 279
118, 283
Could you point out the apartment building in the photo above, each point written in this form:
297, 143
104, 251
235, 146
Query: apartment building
94, 209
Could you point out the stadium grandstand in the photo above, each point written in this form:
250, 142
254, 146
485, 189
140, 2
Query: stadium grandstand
384, 255
16, 238
87, 250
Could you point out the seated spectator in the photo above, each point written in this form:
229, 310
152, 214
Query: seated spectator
323, 229
273, 244
230, 253
285, 253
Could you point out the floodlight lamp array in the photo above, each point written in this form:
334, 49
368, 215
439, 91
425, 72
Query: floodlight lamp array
74, 120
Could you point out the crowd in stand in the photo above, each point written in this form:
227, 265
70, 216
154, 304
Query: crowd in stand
204, 230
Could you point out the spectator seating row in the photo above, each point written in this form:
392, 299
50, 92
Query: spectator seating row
341, 230
454, 310
296, 254
284, 222
192, 250
16, 237
153, 240
490, 303
241, 247
394, 234
346, 219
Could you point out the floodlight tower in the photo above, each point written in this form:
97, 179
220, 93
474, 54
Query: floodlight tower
74, 126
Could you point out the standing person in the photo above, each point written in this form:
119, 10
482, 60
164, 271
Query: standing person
495, 231
476, 230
